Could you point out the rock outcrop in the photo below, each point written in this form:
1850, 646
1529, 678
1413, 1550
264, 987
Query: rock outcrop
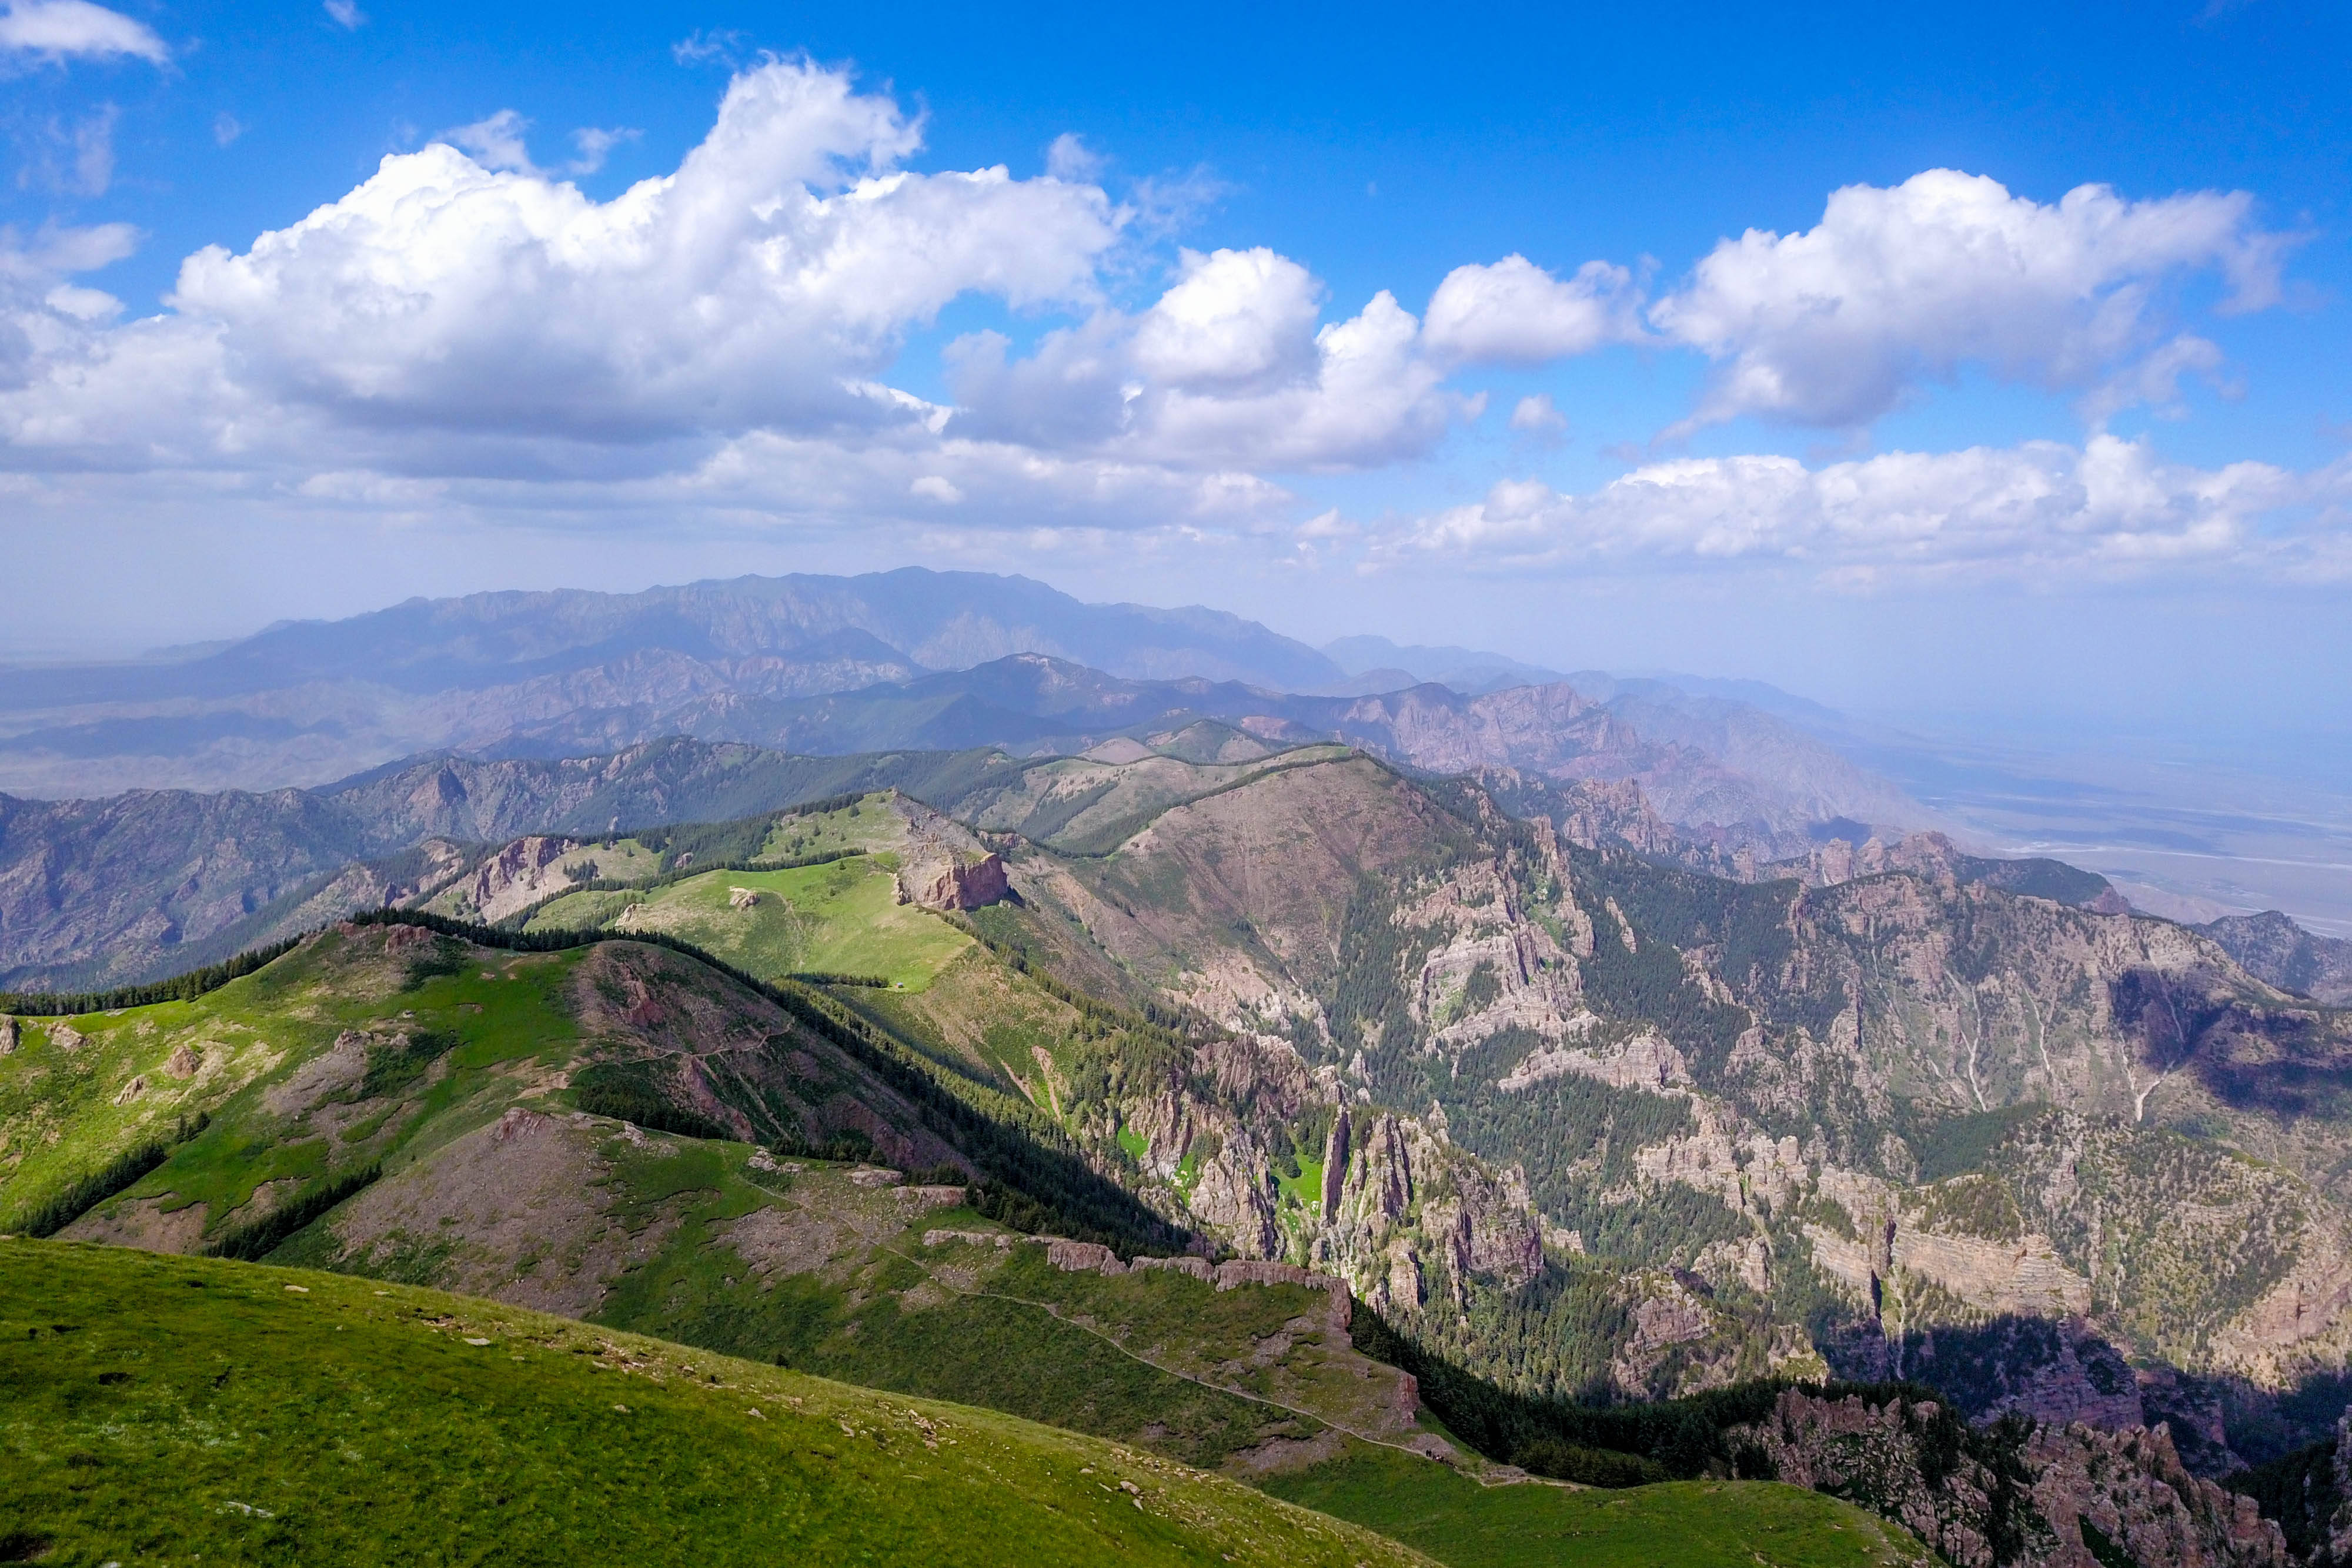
1406, 1204
1093, 1258
1236, 1194
1648, 1060
2131, 1488
2015, 1494
965, 884
517, 876
945, 865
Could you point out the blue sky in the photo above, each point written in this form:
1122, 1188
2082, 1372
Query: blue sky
1960, 444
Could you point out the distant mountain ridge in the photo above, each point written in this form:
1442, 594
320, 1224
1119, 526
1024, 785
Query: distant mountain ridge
2273, 949
98, 893
107, 890
933, 620
306, 702
1702, 761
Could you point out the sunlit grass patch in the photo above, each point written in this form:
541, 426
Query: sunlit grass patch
1678, 1525
158, 1408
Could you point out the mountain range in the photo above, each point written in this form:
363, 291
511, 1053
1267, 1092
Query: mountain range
122, 887
1397, 1056
565, 673
304, 702
1580, 1125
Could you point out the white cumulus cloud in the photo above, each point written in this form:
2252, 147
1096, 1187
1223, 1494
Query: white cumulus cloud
466, 333
1067, 157
496, 142
72, 29
2040, 513
500, 142
711, 342
1371, 397
1516, 313
759, 285
1537, 414
40, 309
1237, 318
1834, 326
1228, 368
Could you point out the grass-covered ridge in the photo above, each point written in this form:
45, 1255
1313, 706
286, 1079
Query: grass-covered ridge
1679, 1524
156, 1409
842, 916
77, 1094
283, 1059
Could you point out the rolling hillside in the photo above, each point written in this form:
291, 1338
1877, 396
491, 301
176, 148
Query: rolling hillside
636, 1209
166, 1408
1570, 1120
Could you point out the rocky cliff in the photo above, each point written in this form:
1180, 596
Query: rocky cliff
2018, 1493
1657, 1131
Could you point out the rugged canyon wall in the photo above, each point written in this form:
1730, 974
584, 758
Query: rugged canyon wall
1867, 1115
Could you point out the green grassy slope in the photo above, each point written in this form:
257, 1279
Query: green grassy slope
81, 1090
688, 1237
1153, 1357
154, 1408
839, 918
1681, 1524
490, 1185
386, 1046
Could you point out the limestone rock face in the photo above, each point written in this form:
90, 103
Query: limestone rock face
515, 874
1486, 1226
1591, 812
1334, 1164
2024, 1495
1405, 1214
1262, 1070
1167, 1121
1235, 1195
946, 865
1647, 1061
960, 885
2131, 1486
1666, 1314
